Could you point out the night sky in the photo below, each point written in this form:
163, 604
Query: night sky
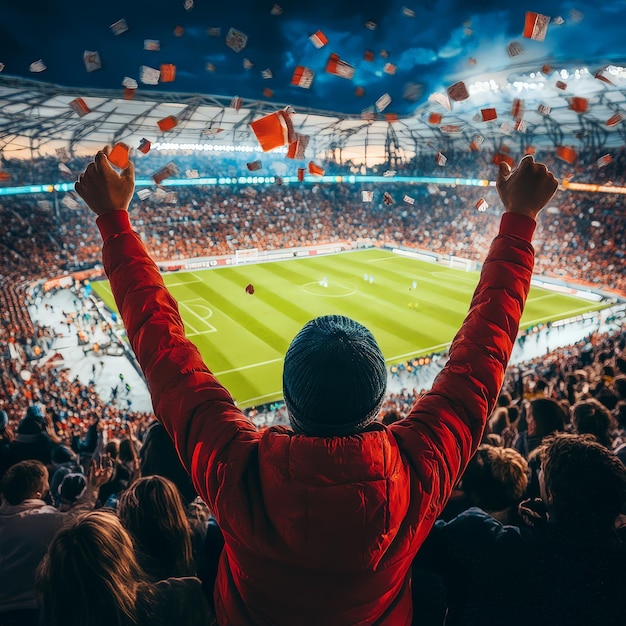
431, 49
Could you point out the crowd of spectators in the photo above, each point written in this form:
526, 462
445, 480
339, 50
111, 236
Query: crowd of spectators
83, 482
579, 237
77, 472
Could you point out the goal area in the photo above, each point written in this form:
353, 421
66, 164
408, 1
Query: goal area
459, 263
249, 255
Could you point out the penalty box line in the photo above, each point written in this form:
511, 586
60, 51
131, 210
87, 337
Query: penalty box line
195, 332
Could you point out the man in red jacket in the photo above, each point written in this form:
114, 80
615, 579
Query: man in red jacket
321, 523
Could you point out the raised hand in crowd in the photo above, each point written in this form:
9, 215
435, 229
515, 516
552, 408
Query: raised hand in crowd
527, 188
102, 188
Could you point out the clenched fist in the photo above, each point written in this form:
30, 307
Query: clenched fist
102, 188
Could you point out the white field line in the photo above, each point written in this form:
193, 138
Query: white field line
182, 283
247, 367
195, 332
564, 314
270, 361
416, 352
267, 395
544, 297
210, 329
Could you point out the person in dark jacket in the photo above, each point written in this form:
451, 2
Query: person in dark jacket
563, 567
6, 437
322, 521
35, 438
544, 416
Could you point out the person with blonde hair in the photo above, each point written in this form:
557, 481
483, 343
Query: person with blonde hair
91, 577
152, 511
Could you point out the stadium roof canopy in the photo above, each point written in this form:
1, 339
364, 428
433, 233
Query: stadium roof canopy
417, 49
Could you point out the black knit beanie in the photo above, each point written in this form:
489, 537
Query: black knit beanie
334, 378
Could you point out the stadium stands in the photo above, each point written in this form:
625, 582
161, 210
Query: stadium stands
214, 220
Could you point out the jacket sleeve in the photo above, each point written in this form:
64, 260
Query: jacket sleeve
197, 411
445, 426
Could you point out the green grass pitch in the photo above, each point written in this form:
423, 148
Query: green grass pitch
243, 338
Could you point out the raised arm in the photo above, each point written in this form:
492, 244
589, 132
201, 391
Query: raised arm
196, 410
445, 426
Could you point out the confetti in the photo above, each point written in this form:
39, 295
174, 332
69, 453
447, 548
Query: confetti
80, 107
151, 45
236, 40
274, 130
92, 61
566, 154
536, 26
318, 39
168, 73
614, 120
315, 169
514, 49
167, 123
337, 67
119, 155
119, 27
37, 67
144, 146
303, 77
167, 171
458, 92
149, 75
383, 102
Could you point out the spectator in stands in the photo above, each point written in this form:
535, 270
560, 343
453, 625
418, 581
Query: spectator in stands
64, 462
591, 417
566, 567
35, 438
299, 508
544, 416
27, 525
152, 512
495, 481
390, 417
499, 421
619, 443
91, 577
462, 550
70, 490
158, 456
6, 437
128, 458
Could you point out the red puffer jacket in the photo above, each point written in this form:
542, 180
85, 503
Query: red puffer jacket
320, 531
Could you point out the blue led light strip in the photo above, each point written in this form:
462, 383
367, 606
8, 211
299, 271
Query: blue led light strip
259, 180
287, 180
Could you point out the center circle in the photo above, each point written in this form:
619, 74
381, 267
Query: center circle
329, 288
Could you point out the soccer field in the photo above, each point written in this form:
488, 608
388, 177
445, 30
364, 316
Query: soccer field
243, 338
